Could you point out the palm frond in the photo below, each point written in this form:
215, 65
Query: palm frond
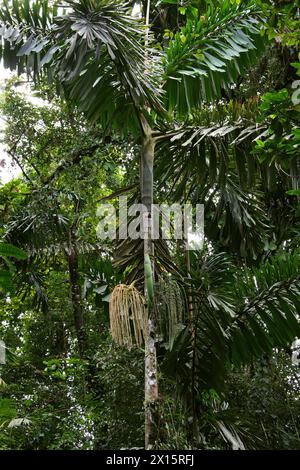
95, 50
212, 164
264, 314
208, 54
25, 33
213, 149
6, 249
268, 315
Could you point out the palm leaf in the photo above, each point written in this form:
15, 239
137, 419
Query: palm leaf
264, 314
209, 164
6, 249
208, 54
94, 51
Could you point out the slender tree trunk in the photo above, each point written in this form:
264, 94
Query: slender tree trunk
151, 383
193, 328
76, 297
190, 297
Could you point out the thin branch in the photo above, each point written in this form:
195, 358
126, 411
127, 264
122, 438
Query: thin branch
16, 160
77, 156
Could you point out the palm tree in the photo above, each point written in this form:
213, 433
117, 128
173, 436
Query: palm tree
239, 314
104, 62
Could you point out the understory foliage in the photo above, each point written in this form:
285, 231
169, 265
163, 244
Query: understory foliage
214, 87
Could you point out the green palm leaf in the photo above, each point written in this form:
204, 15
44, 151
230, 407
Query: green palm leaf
263, 314
8, 250
94, 51
6, 276
269, 314
208, 54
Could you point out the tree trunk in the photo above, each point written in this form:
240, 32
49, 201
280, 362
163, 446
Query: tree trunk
76, 298
151, 383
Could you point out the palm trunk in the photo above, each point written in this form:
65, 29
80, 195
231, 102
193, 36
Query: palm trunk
151, 383
76, 298
190, 297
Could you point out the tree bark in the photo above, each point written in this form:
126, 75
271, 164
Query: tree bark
151, 382
76, 298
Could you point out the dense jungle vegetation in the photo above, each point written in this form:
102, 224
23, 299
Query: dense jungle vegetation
141, 343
